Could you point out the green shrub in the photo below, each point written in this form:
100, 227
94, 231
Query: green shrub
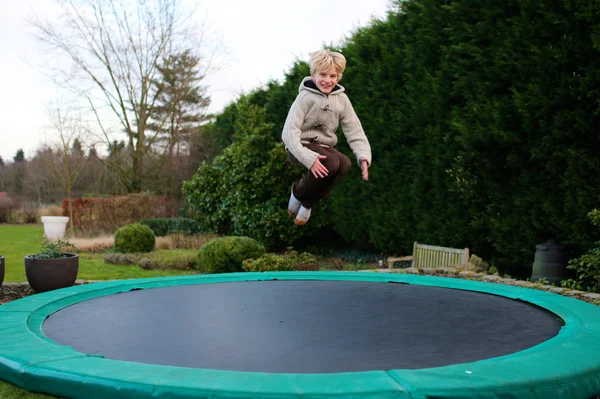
268, 262
273, 262
160, 226
164, 226
226, 254
134, 238
245, 190
587, 267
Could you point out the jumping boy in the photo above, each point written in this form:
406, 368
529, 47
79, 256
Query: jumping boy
309, 134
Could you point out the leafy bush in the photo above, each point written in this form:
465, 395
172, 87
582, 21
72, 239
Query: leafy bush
587, 266
165, 226
134, 238
274, 262
268, 262
226, 254
245, 191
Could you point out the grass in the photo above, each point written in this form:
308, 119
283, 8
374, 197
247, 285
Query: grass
9, 391
16, 241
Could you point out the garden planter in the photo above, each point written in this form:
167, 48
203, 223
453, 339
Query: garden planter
51, 274
1, 270
55, 226
306, 267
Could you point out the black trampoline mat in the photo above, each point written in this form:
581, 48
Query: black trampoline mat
301, 326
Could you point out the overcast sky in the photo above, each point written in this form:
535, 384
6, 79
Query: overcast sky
262, 39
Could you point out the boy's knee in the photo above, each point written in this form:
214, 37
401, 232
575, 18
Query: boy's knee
345, 165
332, 164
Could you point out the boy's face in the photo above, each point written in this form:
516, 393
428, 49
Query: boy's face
326, 80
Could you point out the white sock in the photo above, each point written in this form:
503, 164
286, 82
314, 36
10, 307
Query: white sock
293, 205
303, 216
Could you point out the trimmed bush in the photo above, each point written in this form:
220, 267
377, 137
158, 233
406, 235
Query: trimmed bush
134, 238
227, 254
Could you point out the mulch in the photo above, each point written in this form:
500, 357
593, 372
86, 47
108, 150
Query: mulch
12, 292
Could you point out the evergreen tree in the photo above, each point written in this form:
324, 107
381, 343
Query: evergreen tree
182, 103
19, 168
19, 156
180, 110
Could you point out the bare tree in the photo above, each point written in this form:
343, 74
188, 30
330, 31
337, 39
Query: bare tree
68, 163
43, 183
115, 48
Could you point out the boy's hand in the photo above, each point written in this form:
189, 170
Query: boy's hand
318, 169
364, 167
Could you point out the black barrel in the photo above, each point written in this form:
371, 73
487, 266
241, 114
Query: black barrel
550, 263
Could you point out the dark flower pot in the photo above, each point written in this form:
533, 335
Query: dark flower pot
1, 270
306, 267
51, 274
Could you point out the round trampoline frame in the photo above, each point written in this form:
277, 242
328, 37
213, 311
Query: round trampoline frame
566, 366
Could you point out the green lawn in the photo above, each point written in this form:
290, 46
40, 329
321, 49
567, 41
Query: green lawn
16, 241
8, 391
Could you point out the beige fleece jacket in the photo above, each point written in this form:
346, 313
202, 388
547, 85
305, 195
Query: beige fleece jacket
315, 116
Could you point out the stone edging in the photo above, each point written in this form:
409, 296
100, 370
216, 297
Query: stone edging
589, 297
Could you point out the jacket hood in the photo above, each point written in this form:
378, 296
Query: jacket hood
309, 85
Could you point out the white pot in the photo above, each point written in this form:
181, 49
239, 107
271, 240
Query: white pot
55, 226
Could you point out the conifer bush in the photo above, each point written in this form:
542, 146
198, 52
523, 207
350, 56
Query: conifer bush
134, 238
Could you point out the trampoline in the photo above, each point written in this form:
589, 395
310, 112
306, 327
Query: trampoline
301, 335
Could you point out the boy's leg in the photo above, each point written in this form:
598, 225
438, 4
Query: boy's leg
309, 189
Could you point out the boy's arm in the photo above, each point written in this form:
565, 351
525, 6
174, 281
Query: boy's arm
291, 133
353, 130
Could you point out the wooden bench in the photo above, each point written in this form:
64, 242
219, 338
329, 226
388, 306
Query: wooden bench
433, 257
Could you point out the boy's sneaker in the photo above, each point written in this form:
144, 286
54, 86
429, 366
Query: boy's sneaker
294, 204
303, 216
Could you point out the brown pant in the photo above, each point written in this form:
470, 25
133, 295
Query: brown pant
309, 189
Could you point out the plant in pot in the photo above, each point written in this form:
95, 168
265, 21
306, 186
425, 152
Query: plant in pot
52, 267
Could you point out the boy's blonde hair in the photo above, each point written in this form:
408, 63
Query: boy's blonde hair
324, 60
